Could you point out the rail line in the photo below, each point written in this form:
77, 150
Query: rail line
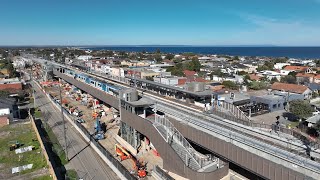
216, 123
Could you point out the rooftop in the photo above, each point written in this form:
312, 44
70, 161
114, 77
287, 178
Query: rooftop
304, 75
296, 68
289, 87
313, 119
141, 102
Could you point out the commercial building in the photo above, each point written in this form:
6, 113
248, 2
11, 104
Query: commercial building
13, 83
291, 89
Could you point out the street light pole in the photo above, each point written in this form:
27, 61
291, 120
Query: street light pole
64, 123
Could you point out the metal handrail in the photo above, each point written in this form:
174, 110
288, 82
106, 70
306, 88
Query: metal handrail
161, 120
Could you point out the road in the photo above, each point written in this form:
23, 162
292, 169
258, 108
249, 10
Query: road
84, 159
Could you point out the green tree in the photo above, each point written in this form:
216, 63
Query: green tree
194, 65
218, 73
273, 80
150, 78
301, 108
158, 51
241, 73
288, 79
169, 56
236, 58
293, 73
158, 58
257, 85
230, 85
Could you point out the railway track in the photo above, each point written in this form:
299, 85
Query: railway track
236, 132
285, 144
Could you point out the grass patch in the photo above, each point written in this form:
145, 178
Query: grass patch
293, 124
46, 177
37, 114
71, 174
24, 134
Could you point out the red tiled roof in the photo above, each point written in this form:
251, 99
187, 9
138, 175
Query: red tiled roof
304, 75
296, 68
189, 73
294, 88
182, 81
200, 80
317, 76
255, 77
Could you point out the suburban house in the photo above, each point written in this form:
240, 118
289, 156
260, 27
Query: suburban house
255, 77
316, 79
314, 87
303, 69
188, 73
313, 120
292, 91
280, 66
84, 57
270, 74
141, 73
303, 78
135, 63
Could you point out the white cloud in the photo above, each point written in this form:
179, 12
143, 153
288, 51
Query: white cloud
278, 32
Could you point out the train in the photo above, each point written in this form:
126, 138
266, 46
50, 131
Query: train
109, 88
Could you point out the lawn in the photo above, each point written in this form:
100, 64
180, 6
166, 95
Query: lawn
24, 134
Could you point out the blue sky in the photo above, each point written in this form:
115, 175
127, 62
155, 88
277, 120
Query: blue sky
166, 22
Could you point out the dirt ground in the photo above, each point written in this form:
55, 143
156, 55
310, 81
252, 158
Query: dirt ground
112, 130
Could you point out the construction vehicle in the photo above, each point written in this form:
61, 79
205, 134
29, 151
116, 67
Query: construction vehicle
99, 134
14, 145
138, 166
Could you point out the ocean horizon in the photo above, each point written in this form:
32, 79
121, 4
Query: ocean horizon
268, 51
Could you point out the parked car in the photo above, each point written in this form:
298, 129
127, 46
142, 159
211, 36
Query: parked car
80, 120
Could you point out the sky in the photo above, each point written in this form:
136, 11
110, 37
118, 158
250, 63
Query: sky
160, 22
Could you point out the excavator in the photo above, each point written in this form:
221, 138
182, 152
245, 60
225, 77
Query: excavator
138, 166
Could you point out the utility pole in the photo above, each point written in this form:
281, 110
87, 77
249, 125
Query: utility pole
288, 101
31, 80
64, 123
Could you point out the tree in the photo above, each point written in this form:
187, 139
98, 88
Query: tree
288, 79
236, 58
230, 85
301, 108
194, 65
273, 80
217, 72
158, 58
169, 56
293, 73
150, 78
257, 85
158, 51
241, 73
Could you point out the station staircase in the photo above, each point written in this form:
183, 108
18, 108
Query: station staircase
182, 147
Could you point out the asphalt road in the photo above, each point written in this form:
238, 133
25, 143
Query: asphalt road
84, 159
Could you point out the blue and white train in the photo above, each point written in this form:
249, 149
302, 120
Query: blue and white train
101, 85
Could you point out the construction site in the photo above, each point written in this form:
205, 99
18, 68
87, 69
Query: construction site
132, 149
